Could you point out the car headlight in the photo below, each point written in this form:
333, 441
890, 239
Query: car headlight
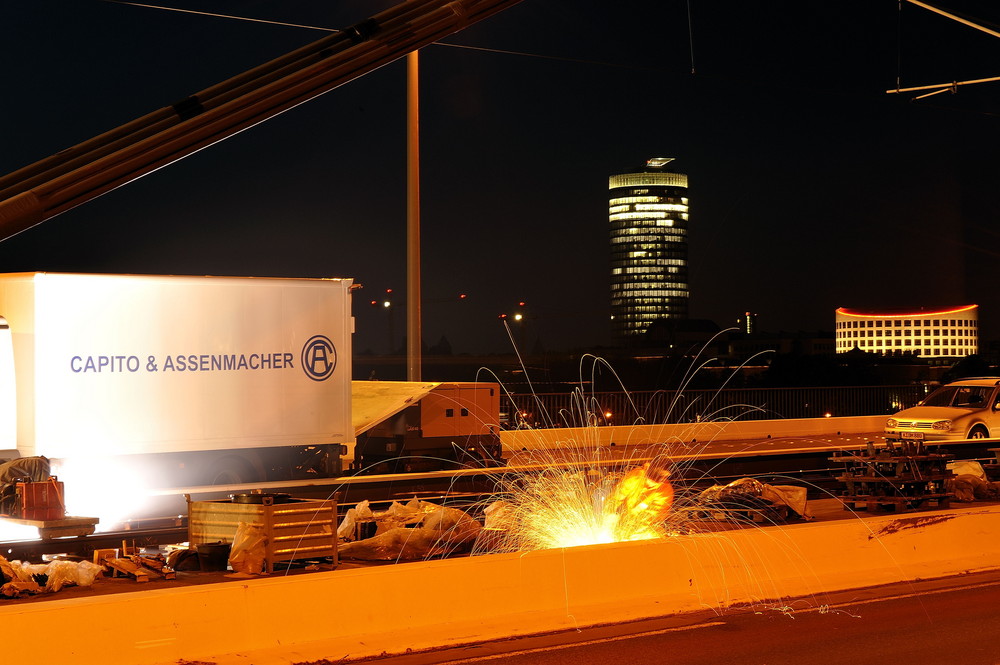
943, 425
892, 422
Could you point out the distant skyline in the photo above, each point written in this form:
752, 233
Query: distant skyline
811, 187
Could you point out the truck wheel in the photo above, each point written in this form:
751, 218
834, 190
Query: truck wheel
230, 471
979, 432
469, 458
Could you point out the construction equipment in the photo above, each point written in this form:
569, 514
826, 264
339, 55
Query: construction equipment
907, 477
291, 528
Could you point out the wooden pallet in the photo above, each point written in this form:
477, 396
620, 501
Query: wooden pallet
67, 527
873, 503
895, 479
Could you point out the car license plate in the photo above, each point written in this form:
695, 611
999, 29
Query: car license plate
919, 436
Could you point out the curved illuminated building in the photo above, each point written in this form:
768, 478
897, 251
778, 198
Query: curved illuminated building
949, 333
648, 221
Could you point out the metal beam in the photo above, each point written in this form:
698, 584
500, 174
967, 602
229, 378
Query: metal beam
954, 18
59, 183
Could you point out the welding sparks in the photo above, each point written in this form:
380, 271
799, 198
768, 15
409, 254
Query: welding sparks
588, 493
593, 499
557, 508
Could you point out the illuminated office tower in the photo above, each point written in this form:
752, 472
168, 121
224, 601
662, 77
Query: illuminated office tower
648, 220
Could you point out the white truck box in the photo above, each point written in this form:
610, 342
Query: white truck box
131, 364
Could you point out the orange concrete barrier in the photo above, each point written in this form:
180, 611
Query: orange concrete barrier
546, 439
367, 611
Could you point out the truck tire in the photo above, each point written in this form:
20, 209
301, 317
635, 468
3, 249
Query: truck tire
230, 471
469, 458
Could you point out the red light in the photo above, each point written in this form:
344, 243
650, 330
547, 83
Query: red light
521, 304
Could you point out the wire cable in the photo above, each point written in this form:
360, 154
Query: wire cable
690, 35
229, 16
335, 30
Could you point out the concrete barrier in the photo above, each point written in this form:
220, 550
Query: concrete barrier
392, 608
749, 430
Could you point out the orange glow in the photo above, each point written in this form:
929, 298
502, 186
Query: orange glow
566, 509
645, 495
871, 315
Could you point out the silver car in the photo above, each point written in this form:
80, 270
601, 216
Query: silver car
966, 409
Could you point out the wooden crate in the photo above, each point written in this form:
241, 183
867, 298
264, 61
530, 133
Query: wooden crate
298, 529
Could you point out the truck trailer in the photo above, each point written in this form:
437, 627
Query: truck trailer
204, 380
185, 381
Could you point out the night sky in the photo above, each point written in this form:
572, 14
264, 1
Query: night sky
810, 187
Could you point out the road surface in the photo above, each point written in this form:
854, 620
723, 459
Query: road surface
954, 621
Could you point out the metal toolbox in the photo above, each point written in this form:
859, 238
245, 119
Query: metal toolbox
42, 500
293, 528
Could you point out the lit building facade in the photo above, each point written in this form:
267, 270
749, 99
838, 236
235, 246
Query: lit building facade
648, 221
951, 333
747, 324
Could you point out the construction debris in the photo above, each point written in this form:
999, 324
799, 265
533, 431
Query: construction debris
971, 482
749, 500
413, 531
132, 562
20, 578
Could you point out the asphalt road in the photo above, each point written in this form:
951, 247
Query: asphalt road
941, 622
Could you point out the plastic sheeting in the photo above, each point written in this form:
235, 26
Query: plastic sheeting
414, 531
249, 548
21, 578
970, 482
750, 493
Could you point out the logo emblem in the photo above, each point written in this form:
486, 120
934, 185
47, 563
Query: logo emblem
319, 358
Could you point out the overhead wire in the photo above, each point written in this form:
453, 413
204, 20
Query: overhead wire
690, 35
213, 14
938, 88
334, 30
543, 56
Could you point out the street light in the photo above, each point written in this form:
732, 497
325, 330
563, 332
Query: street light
387, 306
519, 317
